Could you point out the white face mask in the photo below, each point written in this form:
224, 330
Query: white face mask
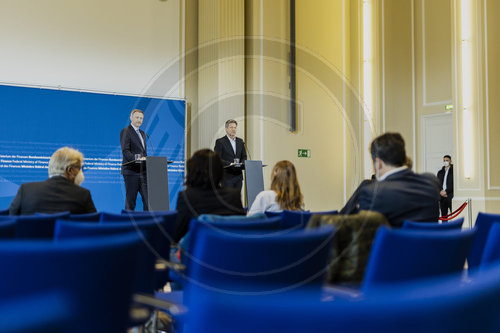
79, 178
446, 163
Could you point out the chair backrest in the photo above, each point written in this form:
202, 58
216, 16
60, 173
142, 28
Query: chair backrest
7, 228
165, 226
298, 219
402, 255
146, 230
35, 226
273, 214
491, 253
49, 311
437, 305
88, 217
243, 224
237, 262
482, 226
97, 274
452, 225
58, 215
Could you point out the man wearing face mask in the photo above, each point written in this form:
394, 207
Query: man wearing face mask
60, 192
399, 193
445, 176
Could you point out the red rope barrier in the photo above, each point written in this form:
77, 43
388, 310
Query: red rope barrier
454, 214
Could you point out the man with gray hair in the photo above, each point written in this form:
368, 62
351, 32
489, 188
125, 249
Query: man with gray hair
232, 152
60, 192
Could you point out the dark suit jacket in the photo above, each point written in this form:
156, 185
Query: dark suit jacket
404, 195
131, 145
225, 150
56, 194
196, 201
449, 181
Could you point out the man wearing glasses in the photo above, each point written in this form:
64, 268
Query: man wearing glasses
60, 192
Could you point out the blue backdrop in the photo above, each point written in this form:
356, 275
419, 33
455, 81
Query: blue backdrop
36, 122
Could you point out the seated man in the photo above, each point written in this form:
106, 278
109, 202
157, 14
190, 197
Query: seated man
399, 193
60, 192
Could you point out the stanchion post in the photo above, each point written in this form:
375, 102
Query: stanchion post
469, 203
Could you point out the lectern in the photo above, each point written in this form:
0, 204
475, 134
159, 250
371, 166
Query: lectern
254, 180
157, 174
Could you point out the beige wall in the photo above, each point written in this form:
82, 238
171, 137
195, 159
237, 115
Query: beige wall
417, 71
113, 46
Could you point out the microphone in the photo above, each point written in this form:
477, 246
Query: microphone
248, 151
150, 143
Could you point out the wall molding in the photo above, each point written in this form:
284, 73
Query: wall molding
424, 76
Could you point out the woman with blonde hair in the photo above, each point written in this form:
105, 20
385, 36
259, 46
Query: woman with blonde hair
284, 194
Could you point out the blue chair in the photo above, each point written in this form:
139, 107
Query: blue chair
89, 217
452, 225
7, 228
58, 215
97, 274
273, 214
299, 219
402, 255
491, 253
232, 262
446, 304
482, 226
146, 230
49, 311
242, 224
35, 227
111, 217
4, 211
235, 262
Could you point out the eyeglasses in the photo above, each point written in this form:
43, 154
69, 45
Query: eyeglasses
80, 167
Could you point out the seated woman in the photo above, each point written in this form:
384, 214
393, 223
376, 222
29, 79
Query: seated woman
284, 194
203, 193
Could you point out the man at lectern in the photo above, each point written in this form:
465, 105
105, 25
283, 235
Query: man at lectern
134, 150
232, 152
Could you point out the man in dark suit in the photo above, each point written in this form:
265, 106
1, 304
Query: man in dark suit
133, 143
60, 193
232, 152
445, 176
399, 193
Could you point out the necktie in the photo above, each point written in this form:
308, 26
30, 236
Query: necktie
140, 137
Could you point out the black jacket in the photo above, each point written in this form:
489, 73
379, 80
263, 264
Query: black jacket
402, 196
449, 180
56, 194
193, 202
225, 150
131, 145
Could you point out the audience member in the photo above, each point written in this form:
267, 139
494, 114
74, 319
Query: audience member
203, 193
60, 192
352, 205
284, 194
399, 193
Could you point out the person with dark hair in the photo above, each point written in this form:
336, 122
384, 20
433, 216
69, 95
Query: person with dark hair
232, 152
445, 176
204, 193
284, 194
399, 193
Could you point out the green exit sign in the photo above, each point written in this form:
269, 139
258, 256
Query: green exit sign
304, 153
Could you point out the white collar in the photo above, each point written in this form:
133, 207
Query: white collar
391, 172
230, 138
135, 128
